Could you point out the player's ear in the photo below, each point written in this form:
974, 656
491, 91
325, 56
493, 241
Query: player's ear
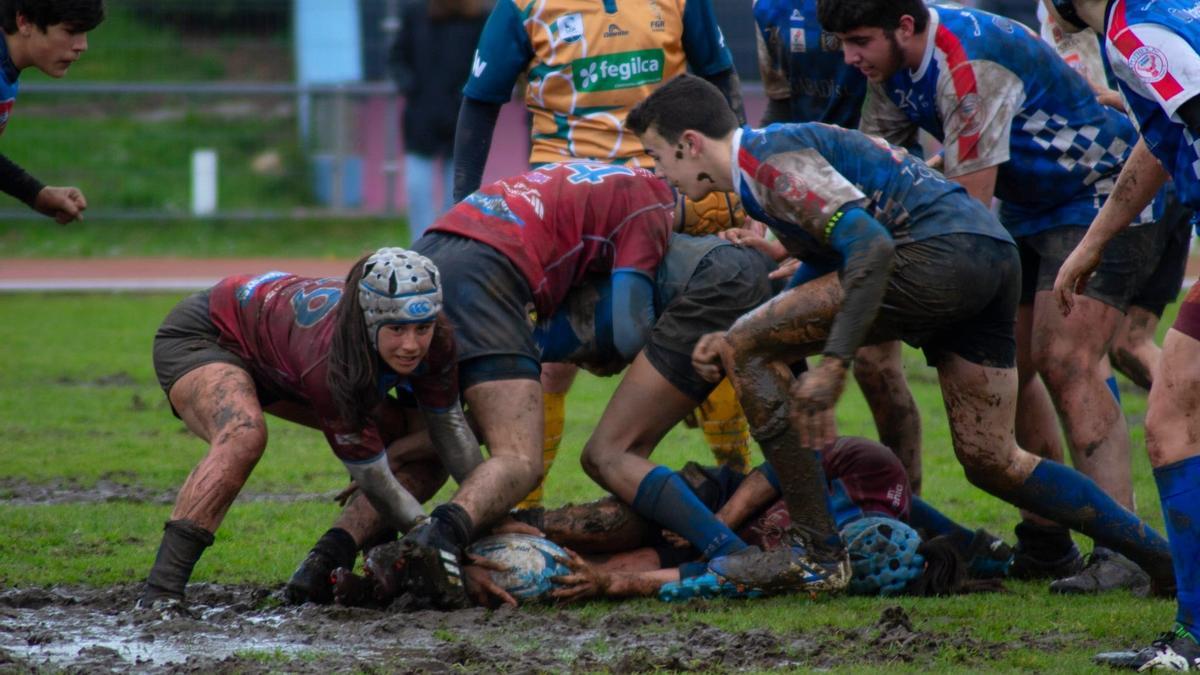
693, 142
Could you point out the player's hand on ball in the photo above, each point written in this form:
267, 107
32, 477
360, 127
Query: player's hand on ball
814, 396
706, 356
63, 204
1074, 274
480, 586
583, 582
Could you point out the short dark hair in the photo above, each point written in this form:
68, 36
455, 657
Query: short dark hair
843, 16
686, 102
78, 15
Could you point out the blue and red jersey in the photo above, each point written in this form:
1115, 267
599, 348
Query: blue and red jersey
996, 95
560, 223
1152, 49
796, 177
281, 326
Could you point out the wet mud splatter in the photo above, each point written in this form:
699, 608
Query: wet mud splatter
245, 629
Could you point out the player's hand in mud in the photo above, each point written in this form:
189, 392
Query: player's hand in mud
786, 269
1074, 274
706, 356
63, 204
814, 396
481, 588
510, 525
584, 581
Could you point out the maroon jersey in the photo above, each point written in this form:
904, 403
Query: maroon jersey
562, 222
281, 326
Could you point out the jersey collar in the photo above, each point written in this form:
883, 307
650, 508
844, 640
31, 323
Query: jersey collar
930, 35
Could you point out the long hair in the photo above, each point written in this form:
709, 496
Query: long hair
946, 572
353, 376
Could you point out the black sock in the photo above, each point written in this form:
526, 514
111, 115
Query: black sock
337, 545
1044, 542
454, 523
182, 544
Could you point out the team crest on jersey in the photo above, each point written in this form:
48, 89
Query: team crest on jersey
1149, 64
791, 187
569, 27
798, 40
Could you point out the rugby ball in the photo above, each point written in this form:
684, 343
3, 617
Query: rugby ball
529, 561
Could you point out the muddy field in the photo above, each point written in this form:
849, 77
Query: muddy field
245, 629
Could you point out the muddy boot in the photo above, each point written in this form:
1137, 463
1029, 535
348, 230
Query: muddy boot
1178, 651
383, 567
1105, 570
1044, 552
311, 582
351, 590
430, 558
794, 566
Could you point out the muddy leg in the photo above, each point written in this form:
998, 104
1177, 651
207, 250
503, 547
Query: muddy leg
879, 371
1133, 351
980, 405
761, 345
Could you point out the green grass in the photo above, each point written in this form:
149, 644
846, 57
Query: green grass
78, 400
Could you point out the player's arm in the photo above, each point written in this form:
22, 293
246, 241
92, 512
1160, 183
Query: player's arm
978, 126
754, 493
63, 204
455, 442
867, 252
1139, 182
632, 312
504, 51
707, 54
588, 580
980, 184
394, 503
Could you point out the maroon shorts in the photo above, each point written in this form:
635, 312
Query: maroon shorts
1188, 320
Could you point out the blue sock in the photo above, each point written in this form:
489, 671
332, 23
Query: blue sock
923, 516
1179, 492
1070, 498
1112, 386
665, 499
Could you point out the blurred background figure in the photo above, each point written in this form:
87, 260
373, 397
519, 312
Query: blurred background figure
431, 59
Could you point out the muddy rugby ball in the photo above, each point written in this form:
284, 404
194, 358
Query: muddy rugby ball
530, 563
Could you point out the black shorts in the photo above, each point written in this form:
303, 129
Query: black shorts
1121, 271
489, 303
186, 340
728, 282
1174, 239
954, 293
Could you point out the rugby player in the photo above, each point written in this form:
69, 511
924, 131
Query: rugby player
48, 35
322, 353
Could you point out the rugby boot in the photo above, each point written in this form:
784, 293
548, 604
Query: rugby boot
1105, 570
790, 567
704, 586
988, 557
431, 570
1044, 553
1171, 651
312, 581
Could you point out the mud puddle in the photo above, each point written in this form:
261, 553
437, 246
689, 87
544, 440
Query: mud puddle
245, 629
